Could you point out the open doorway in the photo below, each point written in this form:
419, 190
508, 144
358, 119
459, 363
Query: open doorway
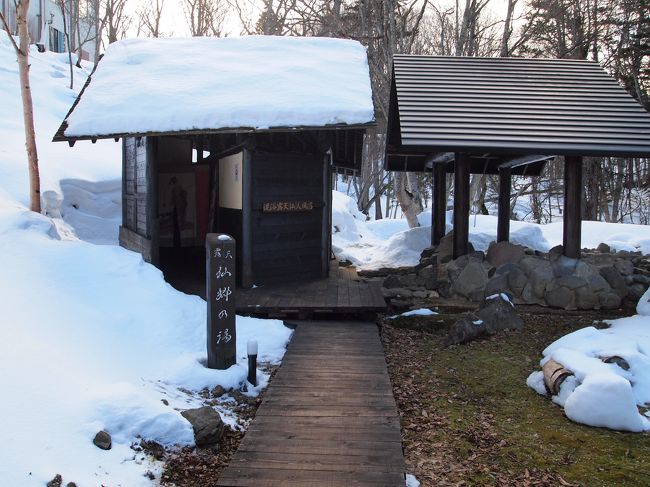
184, 186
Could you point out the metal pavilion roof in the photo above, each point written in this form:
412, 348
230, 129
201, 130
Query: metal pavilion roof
510, 106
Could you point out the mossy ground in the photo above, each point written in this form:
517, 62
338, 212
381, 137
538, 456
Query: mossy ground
468, 417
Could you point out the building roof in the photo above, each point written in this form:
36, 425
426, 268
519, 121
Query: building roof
511, 106
205, 85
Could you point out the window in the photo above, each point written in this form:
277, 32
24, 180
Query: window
57, 43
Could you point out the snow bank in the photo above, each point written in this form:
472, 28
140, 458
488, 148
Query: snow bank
93, 338
390, 243
49, 75
604, 394
172, 84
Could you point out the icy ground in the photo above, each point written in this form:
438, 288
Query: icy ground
605, 394
91, 337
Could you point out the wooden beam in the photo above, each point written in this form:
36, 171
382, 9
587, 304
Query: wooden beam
524, 160
572, 206
505, 185
438, 215
461, 205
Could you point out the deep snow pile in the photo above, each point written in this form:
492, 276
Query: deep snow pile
95, 189
151, 85
91, 337
390, 243
599, 393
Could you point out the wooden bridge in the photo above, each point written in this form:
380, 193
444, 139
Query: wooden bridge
328, 417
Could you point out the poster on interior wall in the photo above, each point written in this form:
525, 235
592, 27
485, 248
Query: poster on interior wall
177, 209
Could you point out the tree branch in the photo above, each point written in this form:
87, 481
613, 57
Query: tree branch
11, 38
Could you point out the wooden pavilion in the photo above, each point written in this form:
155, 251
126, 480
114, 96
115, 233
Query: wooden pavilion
245, 146
507, 116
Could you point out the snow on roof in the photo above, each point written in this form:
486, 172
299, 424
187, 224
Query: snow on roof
170, 85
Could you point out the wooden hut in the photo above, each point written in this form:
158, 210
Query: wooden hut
235, 135
507, 116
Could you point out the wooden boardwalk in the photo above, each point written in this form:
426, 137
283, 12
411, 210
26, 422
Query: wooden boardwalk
328, 417
343, 292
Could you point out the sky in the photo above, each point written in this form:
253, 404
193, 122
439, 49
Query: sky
175, 24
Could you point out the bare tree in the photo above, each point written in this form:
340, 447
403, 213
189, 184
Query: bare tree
149, 16
205, 17
115, 20
66, 35
22, 55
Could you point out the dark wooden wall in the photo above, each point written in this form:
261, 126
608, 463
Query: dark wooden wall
138, 197
287, 245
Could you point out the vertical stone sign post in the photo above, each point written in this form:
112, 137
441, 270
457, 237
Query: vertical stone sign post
220, 290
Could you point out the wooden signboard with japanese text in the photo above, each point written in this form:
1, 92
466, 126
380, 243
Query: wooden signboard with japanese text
287, 206
220, 287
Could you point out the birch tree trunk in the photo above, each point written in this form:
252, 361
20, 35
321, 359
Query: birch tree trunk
22, 55
405, 199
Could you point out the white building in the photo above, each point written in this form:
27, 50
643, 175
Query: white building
45, 22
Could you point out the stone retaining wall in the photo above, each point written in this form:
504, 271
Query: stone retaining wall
599, 280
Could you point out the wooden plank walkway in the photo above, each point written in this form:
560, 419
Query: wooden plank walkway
328, 417
343, 292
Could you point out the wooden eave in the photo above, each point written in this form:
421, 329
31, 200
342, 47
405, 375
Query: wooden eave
60, 137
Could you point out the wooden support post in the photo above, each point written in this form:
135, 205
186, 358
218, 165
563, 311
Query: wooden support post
572, 206
438, 215
505, 186
220, 287
461, 205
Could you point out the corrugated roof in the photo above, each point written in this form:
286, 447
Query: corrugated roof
513, 106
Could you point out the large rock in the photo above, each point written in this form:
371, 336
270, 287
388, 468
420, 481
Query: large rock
609, 300
586, 298
560, 297
541, 278
598, 284
466, 328
603, 248
529, 263
427, 277
571, 282
500, 253
445, 248
207, 425
392, 281
496, 285
635, 291
103, 440
602, 260
624, 267
615, 280
492, 316
498, 313
563, 265
586, 270
471, 281
528, 296
517, 278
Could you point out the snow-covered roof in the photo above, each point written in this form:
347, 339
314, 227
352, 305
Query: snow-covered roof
156, 86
